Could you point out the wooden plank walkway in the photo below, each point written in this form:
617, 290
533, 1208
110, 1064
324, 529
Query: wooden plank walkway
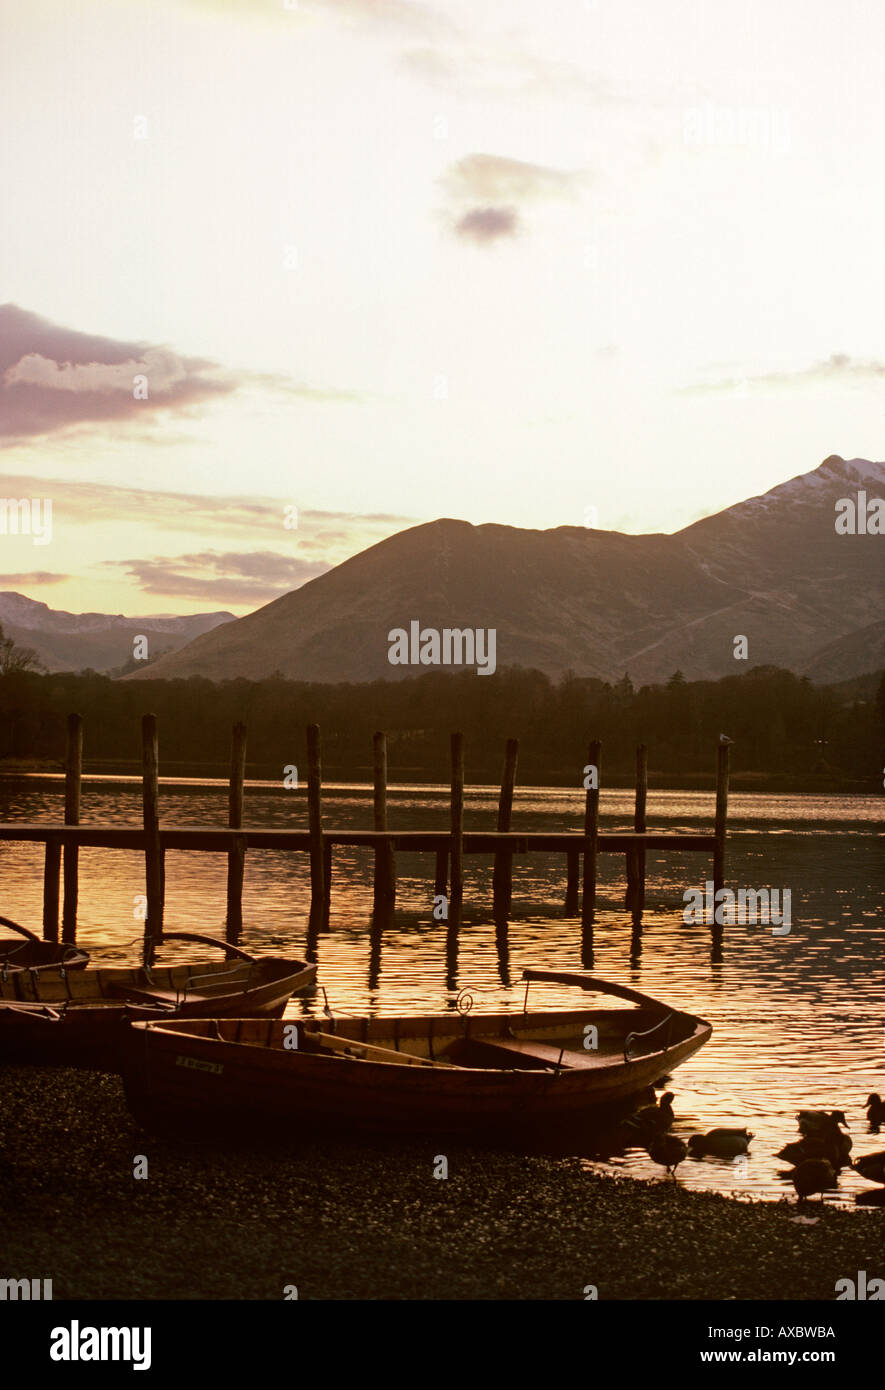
220, 839
63, 841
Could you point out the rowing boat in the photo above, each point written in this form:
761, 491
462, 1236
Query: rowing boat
28, 952
466, 1075
77, 1018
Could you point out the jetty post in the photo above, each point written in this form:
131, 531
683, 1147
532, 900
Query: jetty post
591, 836
154, 874
320, 870
719, 831
503, 872
236, 855
385, 860
636, 858
73, 780
456, 893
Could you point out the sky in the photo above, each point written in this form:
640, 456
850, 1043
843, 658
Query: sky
281, 279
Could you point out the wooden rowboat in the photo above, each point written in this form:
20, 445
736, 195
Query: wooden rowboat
78, 1018
28, 952
464, 1075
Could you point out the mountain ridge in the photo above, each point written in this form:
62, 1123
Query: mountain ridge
770, 568
66, 641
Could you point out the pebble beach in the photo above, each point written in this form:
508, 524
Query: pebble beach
354, 1222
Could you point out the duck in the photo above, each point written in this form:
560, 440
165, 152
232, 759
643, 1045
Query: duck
668, 1150
871, 1166
835, 1148
875, 1108
649, 1120
873, 1197
655, 1118
721, 1143
816, 1122
814, 1175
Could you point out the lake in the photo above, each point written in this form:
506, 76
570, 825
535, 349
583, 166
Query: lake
798, 1019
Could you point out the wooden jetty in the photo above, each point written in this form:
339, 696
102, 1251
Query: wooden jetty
449, 846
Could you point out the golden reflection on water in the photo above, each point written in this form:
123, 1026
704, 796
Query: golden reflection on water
799, 1020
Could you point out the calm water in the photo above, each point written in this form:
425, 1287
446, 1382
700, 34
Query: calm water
799, 1020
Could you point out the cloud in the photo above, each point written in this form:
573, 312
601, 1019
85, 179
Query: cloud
403, 15
85, 502
839, 369
493, 69
34, 577
406, 17
222, 576
488, 224
52, 378
486, 193
493, 178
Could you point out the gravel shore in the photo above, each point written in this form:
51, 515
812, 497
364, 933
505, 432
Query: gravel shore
374, 1223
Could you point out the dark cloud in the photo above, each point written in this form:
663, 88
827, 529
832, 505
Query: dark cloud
487, 193
222, 576
52, 378
488, 224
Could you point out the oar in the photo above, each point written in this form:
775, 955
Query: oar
8, 922
592, 982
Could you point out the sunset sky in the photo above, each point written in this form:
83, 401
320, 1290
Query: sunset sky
384, 261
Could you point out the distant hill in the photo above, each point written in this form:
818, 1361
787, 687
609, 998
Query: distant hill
96, 641
598, 603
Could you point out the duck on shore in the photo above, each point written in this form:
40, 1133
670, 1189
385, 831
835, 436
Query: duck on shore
814, 1175
668, 1150
720, 1143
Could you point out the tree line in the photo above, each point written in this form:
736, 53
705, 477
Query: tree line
783, 726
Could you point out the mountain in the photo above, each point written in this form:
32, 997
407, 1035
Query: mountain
100, 641
598, 603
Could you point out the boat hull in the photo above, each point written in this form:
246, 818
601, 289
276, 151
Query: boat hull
176, 1075
16, 954
92, 1029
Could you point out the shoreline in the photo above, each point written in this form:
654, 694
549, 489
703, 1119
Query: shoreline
214, 774
359, 1222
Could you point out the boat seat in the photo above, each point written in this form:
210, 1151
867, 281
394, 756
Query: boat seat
144, 996
521, 1052
366, 1052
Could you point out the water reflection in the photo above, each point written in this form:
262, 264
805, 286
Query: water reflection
798, 1020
